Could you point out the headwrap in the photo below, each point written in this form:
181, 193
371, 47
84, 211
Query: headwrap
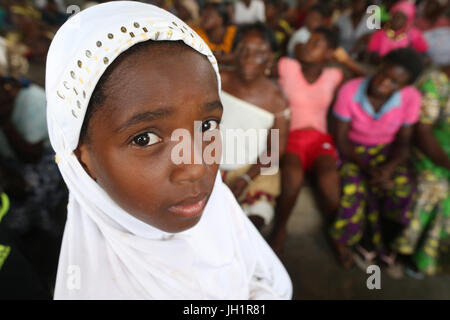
106, 252
408, 9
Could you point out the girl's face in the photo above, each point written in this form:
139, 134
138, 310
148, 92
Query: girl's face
314, 20
129, 148
432, 8
254, 56
210, 18
316, 50
387, 80
398, 20
271, 11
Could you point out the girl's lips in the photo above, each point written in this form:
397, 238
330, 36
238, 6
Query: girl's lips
188, 208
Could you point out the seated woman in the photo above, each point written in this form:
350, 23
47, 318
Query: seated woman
248, 84
430, 223
215, 30
397, 33
315, 17
373, 130
353, 25
281, 28
25, 152
310, 87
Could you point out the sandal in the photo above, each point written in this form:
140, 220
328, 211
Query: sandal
392, 267
363, 258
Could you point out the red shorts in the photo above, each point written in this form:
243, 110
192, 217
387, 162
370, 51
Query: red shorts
309, 144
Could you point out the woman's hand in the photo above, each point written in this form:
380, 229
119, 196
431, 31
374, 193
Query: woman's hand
341, 55
382, 176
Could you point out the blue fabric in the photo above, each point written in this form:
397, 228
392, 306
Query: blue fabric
345, 119
394, 101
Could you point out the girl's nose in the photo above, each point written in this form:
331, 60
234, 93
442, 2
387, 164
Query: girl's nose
192, 171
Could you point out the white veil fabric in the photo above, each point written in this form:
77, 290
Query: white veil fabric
106, 253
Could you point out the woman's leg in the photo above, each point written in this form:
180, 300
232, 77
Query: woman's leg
399, 200
427, 255
430, 191
347, 228
292, 176
327, 181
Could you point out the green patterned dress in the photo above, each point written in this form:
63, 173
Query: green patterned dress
427, 235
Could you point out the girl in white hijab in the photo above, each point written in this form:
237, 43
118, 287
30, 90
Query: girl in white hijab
121, 77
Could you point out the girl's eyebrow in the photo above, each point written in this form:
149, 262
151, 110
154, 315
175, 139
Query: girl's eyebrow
211, 106
145, 117
148, 116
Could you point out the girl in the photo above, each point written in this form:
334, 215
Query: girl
248, 84
140, 226
309, 86
373, 129
215, 30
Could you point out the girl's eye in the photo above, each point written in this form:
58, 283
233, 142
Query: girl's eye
146, 139
210, 125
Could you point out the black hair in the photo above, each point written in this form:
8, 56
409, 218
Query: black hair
275, 3
330, 35
99, 94
321, 9
409, 59
265, 32
221, 10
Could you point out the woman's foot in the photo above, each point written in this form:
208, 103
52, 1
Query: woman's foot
392, 267
414, 273
344, 254
364, 258
410, 268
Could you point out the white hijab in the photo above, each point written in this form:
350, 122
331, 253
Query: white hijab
107, 253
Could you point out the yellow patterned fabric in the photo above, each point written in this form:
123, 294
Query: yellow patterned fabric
225, 46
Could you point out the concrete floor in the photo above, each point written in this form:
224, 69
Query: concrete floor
316, 274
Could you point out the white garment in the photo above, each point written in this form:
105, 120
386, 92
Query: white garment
348, 35
107, 253
256, 12
60, 4
300, 36
253, 122
438, 41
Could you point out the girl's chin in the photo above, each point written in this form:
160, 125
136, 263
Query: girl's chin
183, 224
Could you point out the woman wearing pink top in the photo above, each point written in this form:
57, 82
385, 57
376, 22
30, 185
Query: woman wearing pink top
309, 88
373, 130
398, 32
